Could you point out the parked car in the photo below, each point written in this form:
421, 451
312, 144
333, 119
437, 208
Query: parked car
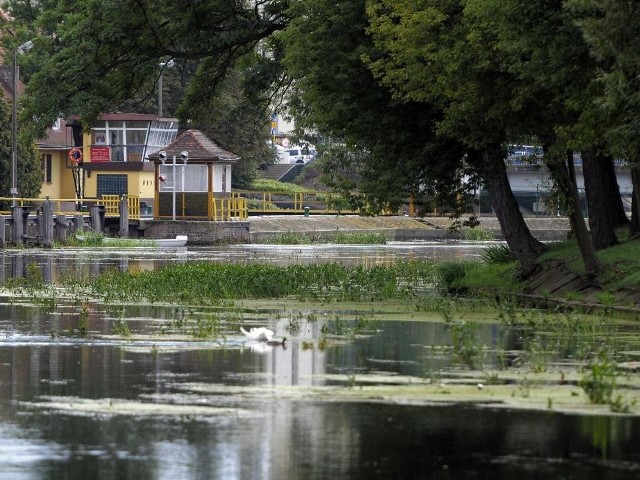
300, 154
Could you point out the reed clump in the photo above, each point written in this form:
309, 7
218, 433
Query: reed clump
209, 283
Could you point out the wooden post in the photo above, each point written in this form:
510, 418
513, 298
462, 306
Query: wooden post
3, 228
95, 220
78, 222
60, 228
47, 226
123, 210
18, 226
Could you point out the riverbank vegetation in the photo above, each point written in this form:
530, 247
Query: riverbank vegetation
618, 284
339, 238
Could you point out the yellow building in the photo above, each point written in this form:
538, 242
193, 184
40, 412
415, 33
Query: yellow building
111, 159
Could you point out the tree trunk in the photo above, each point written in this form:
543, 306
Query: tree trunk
618, 212
634, 226
522, 243
560, 172
600, 203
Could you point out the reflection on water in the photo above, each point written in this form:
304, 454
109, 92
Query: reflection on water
64, 396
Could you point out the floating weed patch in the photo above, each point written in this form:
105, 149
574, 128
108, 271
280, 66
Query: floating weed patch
288, 238
478, 234
211, 283
360, 238
109, 407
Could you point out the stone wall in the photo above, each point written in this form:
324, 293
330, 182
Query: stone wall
199, 233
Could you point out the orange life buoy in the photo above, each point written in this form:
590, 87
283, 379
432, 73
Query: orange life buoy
75, 155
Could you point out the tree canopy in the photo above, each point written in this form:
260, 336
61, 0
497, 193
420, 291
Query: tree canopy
101, 54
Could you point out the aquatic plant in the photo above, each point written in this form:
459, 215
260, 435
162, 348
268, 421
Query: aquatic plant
120, 327
288, 238
207, 327
466, 345
360, 238
211, 283
82, 325
600, 379
606, 298
478, 234
536, 354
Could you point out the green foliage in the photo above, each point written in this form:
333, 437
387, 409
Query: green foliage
268, 185
360, 238
499, 254
449, 273
85, 41
381, 150
466, 345
29, 171
238, 123
600, 381
121, 328
203, 283
478, 234
288, 238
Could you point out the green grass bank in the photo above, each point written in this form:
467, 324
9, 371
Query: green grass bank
560, 278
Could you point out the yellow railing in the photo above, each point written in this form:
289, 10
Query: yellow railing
237, 206
292, 202
111, 205
227, 208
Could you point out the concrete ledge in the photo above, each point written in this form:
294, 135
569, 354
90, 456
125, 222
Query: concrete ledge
199, 233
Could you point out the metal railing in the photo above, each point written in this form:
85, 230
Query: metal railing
261, 202
237, 206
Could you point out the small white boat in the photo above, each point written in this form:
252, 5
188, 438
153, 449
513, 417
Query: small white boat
179, 241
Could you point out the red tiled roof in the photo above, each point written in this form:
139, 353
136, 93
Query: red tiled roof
199, 146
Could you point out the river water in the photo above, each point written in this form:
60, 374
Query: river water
99, 405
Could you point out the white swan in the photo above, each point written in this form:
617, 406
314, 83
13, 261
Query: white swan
260, 333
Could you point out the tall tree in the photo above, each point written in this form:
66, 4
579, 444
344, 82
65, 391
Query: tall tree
103, 53
538, 45
431, 53
96, 56
389, 148
29, 166
611, 29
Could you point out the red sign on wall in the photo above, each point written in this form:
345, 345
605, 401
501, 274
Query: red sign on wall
100, 154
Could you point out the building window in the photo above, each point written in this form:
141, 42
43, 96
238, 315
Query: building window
132, 141
47, 167
112, 184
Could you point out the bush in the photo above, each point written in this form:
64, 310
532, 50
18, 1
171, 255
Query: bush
478, 234
498, 254
449, 273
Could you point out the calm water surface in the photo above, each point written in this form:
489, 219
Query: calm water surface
48, 373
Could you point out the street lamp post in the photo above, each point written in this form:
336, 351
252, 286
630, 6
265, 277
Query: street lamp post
14, 120
184, 155
168, 64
